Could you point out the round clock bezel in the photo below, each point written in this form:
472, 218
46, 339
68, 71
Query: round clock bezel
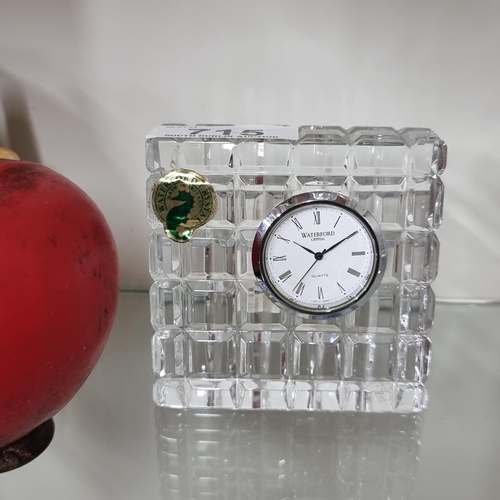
319, 197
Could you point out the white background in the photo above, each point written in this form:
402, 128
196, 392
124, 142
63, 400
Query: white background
83, 81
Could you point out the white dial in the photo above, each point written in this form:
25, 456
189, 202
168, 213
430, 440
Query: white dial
319, 257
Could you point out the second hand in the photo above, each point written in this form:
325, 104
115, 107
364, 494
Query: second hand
318, 256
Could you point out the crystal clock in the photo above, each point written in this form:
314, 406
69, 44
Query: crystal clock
319, 255
293, 267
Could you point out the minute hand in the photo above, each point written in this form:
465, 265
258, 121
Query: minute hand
339, 242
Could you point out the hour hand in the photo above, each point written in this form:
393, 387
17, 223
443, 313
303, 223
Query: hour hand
306, 249
339, 242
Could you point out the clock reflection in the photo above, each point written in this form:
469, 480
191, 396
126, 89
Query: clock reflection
252, 455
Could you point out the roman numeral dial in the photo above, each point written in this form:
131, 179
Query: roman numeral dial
282, 239
299, 288
298, 225
279, 258
283, 277
319, 257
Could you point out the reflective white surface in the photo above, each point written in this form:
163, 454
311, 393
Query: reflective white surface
274, 455
108, 446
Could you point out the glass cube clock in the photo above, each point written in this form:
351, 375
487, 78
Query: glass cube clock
307, 283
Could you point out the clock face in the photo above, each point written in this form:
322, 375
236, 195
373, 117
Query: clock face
319, 258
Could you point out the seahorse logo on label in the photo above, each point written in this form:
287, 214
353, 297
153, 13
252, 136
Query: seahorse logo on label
183, 200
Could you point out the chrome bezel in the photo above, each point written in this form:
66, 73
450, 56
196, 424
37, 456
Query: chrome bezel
328, 197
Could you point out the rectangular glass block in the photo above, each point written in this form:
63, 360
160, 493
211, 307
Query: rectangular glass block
254, 307
375, 137
217, 156
425, 204
259, 194
211, 353
394, 250
167, 304
323, 134
210, 302
210, 254
370, 396
167, 391
153, 156
410, 397
392, 309
321, 395
414, 354
370, 357
428, 152
208, 156
207, 392
262, 394
306, 182
415, 308
164, 256
384, 197
325, 160
316, 355
264, 157
263, 353
244, 243
152, 219
332, 325
163, 155
303, 394
224, 189
419, 254
378, 158
168, 352
375, 315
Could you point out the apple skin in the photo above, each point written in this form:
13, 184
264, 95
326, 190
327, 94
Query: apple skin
59, 283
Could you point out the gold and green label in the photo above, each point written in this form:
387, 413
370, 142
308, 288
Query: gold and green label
183, 200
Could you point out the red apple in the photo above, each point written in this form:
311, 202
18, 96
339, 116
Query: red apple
58, 293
